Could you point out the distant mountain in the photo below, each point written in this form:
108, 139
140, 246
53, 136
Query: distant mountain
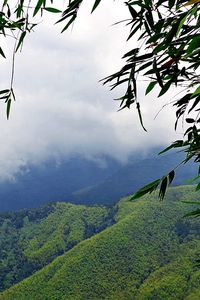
150, 253
132, 176
52, 181
83, 181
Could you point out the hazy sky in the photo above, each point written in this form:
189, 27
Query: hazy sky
61, 107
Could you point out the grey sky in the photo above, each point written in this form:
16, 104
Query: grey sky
61, 107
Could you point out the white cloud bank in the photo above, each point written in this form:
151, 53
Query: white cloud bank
61, 107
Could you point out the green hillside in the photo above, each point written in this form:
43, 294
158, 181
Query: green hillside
30, 239
150, 253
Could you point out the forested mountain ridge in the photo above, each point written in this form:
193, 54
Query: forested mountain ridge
30, 239
150, 253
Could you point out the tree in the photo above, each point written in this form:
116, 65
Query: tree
168, 36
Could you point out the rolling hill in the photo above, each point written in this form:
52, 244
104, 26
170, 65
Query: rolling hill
150, 252
30, 239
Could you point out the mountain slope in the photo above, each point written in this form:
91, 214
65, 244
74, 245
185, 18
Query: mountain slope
149, 239
30, 239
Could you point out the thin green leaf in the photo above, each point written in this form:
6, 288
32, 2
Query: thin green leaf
22, 36
96, 3
2, 53
171, 176
8, 108
176, 144
146, 189
19, 11
5, 98
132, 52
193, 179
163, 187
150, 87
195, 213
4, 91
144, 66
143, 57
189, 120
52, 10
140, 116
196, 92
193, 44
8, 11
198, 187
181, 24
197, 100
69, 23
132, 11
165, 88
38, 7
156, 71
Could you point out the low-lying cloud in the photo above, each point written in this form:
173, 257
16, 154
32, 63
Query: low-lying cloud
62, 109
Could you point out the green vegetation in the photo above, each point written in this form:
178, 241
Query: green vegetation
151, 252
31, 239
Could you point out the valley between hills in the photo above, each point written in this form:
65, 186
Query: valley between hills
142, 249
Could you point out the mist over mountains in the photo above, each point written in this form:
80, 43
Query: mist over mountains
87, 181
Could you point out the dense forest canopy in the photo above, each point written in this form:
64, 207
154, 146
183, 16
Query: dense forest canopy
135, 250
167, 55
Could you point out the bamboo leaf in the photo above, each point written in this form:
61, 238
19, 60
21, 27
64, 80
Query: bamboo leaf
194, 44
52, 10
195, 213
4, 91
96, 3
146, 189
196, 92
69, 23
150, 87
163, 187
2, 53
8, 108
165, 88
171, 176
22, 36
140, 116
38, 7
